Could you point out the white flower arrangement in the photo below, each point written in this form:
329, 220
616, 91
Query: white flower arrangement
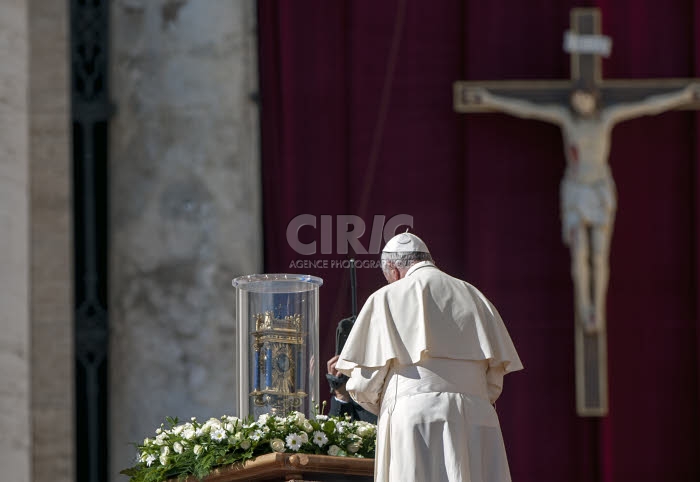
193, 448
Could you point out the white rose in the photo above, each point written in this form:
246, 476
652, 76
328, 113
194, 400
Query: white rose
304, 437
307, 426
277, 445
229, 427
197, 449
163, 460
245, 445
365, 429
188, 434
212, 425
178, 429
353, 447
333, 450
178, 448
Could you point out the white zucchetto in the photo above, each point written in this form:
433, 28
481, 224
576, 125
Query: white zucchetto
405, 243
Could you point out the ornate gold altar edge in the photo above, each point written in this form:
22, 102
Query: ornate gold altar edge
289, 467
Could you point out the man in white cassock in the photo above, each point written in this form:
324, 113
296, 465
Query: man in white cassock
427, 354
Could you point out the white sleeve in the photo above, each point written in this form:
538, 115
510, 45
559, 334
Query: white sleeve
366, 385
494, 380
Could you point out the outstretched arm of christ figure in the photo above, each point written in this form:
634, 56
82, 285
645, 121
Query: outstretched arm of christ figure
653, 105
553, 113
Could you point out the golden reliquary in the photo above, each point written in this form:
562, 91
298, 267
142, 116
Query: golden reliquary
278, 358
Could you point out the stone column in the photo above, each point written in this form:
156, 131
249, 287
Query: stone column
15, 324
51, 243
36, 355
185, 208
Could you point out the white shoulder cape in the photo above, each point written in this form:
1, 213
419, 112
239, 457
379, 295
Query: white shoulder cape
428, 312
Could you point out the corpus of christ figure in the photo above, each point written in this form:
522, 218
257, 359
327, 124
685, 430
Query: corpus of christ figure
588, 198
586, 108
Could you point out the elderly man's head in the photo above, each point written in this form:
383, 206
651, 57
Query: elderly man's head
400, 253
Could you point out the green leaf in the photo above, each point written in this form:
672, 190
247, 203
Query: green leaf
131, 471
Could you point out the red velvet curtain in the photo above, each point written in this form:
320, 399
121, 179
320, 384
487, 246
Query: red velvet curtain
357, 119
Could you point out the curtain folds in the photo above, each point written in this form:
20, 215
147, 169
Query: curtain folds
357, 120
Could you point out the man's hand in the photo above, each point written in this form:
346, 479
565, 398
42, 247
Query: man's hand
476, 95
340, 393
695, 89
331, 366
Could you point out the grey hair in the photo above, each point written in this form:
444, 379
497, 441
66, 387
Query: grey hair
404, 260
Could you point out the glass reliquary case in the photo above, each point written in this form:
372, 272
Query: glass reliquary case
278, 370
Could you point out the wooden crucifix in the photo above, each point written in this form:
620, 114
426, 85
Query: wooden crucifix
586, 108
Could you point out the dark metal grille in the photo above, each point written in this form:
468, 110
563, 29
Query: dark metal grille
90, 113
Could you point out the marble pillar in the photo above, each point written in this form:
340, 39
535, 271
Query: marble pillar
185, 208
15, 324
36, 356
51, 243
